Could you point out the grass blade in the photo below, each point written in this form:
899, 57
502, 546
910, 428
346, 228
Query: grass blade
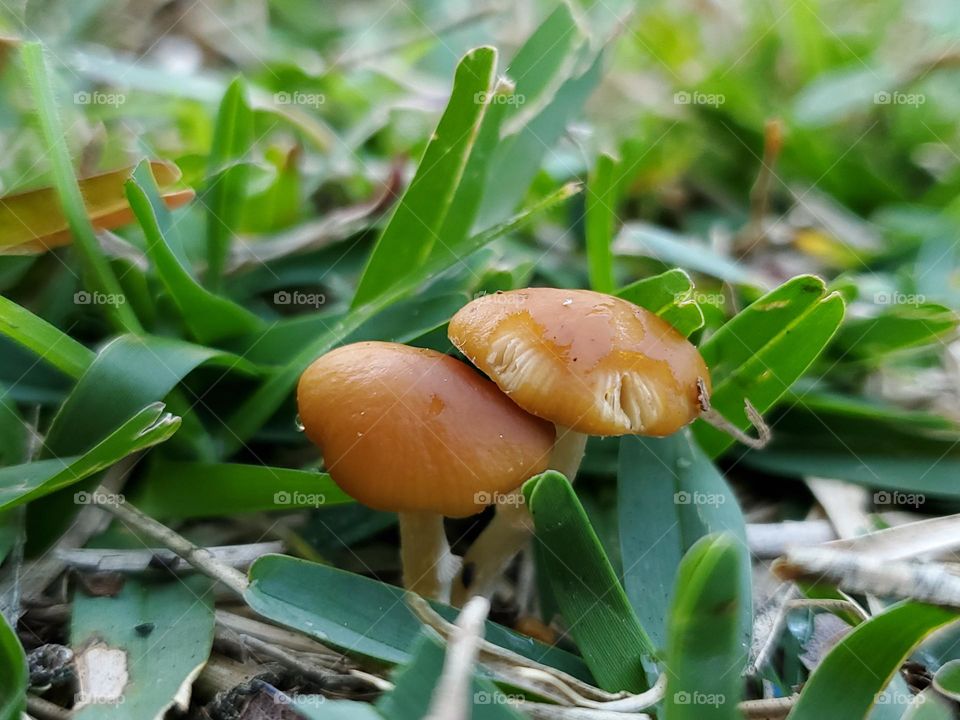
867, 659
763, 350
671, 296
670, 496
376, 622
704, 652
13, 674
598, 615
217, 489
208, 316
227, 183
49, 343
99, 273
600, 217
20, 484
425, 215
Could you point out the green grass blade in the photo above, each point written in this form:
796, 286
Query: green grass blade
669, 496
424, 214
208, 316
850, 679
600, 217
764, 349
598, 615
376, 622
24, 483
414, 686
161, 631
137, 371
217, 489
13, 674
253, 413
704, 652
671, 296
99, 273
49, 343
226, 188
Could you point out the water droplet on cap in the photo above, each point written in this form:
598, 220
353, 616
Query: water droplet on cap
298, 424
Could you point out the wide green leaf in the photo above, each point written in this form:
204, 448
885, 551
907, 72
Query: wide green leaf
704, 651
669, 495
432, 210
764, 349
146, 644
669, 295
230, 488
22, 483
598, 615
866, 660
376, 622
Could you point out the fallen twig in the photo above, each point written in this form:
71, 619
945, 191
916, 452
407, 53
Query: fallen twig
201, 558
131, 561
924, 581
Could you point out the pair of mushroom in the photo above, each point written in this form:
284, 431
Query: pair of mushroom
417, 432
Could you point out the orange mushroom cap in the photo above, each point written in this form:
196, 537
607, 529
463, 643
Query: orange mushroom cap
411, 430
591, 362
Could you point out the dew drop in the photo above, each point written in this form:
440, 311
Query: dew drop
567, 301
298, 424
683, 462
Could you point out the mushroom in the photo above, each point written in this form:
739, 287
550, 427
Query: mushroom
590, 363
419, 433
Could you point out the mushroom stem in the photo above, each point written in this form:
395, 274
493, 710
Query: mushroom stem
512, 527
428, 564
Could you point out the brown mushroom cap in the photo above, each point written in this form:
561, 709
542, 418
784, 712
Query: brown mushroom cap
591, 362
407, 430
